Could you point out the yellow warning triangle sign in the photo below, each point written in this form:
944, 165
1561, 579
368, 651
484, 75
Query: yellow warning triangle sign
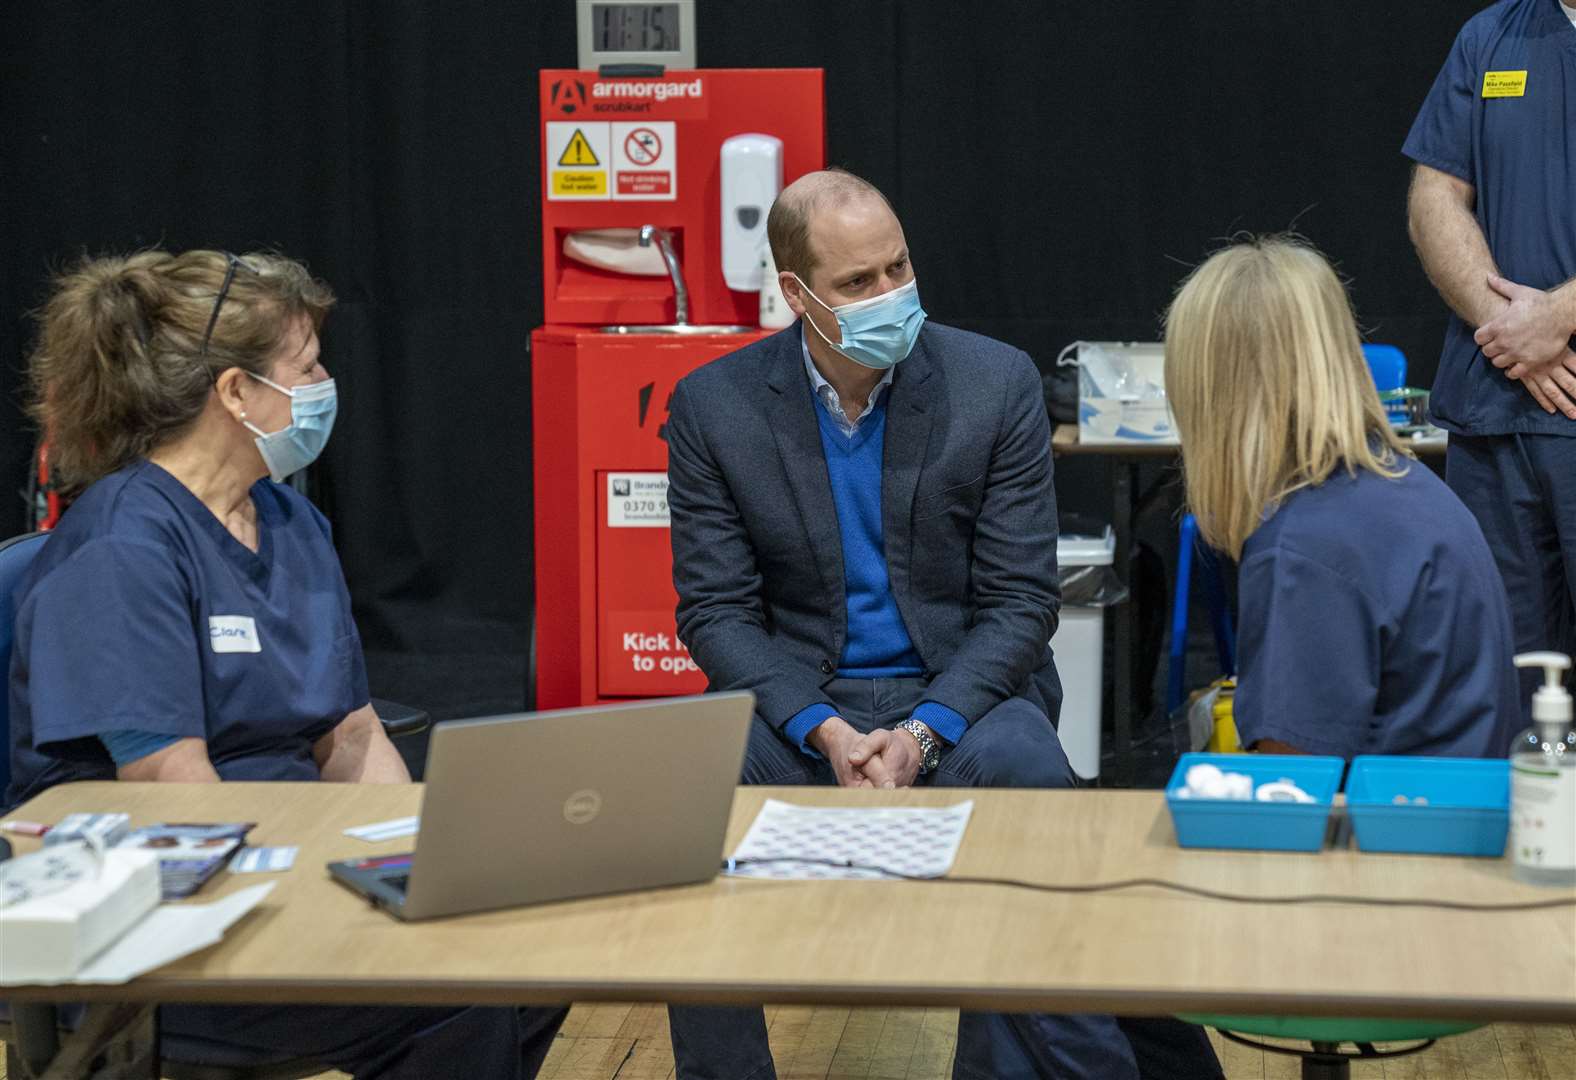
579, 151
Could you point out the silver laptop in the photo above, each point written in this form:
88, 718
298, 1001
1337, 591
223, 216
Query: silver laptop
546, 806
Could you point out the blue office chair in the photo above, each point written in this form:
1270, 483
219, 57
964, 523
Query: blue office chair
16, 555
1191, 553
1387, 364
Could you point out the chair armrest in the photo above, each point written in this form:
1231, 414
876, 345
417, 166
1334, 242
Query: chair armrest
400, 720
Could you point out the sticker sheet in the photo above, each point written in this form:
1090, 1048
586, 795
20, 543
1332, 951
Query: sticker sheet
912, 841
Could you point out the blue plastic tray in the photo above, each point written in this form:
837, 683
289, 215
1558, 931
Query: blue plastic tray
1261, 826
1468, 811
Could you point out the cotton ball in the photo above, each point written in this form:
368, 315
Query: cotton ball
1238, 786
1204, 780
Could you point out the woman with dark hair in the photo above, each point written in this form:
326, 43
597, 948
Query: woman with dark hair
188, 619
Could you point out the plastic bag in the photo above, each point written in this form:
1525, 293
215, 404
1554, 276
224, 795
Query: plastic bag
1090, 586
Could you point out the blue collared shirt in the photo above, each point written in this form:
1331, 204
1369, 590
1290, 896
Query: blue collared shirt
826, 394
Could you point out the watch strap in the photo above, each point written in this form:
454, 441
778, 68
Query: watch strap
929, 746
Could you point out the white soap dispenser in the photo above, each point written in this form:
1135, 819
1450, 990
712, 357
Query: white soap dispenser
1543, 781
752, 175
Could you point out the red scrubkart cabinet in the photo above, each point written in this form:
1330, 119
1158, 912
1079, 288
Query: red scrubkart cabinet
619, 154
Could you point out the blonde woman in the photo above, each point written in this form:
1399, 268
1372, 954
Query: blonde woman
188, 621
1372, 618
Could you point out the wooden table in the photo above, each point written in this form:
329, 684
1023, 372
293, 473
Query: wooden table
1127, 498
1139, 951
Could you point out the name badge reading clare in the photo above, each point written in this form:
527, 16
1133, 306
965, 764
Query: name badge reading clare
233, 633
1498, 84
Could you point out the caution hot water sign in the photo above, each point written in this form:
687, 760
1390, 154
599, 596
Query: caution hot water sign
623, 161
577, 161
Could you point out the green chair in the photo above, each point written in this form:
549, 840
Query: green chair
1326, 1060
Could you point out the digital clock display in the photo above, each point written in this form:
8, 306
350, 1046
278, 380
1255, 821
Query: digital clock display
644, 28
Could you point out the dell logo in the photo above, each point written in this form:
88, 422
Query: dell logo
583, 806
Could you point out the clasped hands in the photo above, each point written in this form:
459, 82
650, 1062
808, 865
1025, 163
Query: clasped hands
881, 759
1530, 342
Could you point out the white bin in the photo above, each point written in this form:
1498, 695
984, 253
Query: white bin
1079, 643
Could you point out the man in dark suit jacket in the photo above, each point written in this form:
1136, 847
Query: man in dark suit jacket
779, 594
864, 534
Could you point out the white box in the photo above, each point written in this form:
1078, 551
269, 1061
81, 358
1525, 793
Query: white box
49, 938
1079, 644
1121, 394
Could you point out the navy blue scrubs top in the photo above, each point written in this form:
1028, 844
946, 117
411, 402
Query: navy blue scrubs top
1520, 155
143, 613
1374, 621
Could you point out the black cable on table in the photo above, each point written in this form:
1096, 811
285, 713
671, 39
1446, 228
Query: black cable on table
1173, 886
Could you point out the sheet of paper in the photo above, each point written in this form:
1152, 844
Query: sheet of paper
385, 830
263, 860
168, 933
913, 841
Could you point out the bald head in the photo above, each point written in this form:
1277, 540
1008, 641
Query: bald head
790, 224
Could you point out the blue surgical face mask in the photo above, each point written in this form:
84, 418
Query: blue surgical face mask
297, 444
877, 332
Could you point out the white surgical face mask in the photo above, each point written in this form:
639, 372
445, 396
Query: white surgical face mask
297, 444
878, 332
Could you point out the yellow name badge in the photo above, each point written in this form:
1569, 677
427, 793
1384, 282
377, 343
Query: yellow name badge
1504, 84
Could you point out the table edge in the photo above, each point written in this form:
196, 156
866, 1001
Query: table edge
1122, 1002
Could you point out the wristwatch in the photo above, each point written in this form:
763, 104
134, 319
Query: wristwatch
929, 748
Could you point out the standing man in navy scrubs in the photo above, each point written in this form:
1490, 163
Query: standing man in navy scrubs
1493, 215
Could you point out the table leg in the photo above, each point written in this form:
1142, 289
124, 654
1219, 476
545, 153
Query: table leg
114, 1041
1123, 487
35, 1038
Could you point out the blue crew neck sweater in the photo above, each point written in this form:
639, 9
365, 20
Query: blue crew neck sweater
878, 645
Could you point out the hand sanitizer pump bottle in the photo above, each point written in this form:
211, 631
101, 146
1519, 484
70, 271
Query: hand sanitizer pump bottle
1543, 781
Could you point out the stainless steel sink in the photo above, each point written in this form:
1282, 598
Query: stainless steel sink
680, 324
678, 328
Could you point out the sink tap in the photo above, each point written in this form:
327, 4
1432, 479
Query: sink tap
664, 240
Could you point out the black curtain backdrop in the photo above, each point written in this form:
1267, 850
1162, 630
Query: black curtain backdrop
1056, 166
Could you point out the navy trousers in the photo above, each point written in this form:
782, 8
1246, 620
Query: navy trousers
1012, 746
382, 1042
1522, 490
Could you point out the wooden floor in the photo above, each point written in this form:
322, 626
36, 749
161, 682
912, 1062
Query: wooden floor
630, 1042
